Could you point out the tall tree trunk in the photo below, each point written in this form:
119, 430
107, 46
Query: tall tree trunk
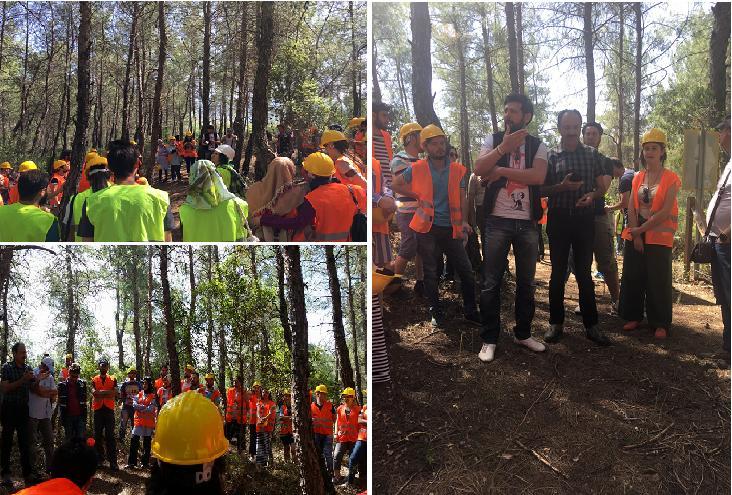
464, 121
136, 313
488, 68
638, 80
187, 337
120, 328
260, 108
281, 293
520, 48
339, 333
209, 310
422, 97
376, 89
355, 90
718, 42
2, 106
128, 70
78, 149
314, 478
362, 304
222, 333
157, 131
70, 303
621, 93
170, 339
354, 330
149, 312
513, 69
588, 36
206, 78
239, 128
6, 262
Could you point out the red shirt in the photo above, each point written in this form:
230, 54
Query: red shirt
73, 408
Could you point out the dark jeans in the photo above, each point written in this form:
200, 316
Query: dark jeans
15, 418
357, 459
189, 163
252, 440
135, 445
104, 425
74, 427
721, 281
576, 229
646, 284
540, 230
175, 172
233, 429
500, 234
427, 245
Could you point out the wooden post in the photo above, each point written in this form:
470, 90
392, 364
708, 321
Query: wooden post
688, 232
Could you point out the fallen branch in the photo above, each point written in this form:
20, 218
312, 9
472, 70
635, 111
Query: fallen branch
407, 482
653, 438
543, 460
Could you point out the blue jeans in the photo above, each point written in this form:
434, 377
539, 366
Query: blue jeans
357, 460
500, 234
74, 427
324, 443
721, 281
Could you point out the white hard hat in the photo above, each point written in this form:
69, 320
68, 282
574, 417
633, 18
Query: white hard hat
226, 150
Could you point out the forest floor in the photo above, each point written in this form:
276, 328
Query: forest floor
640, 416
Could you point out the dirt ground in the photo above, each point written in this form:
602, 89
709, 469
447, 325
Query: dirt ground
641, 416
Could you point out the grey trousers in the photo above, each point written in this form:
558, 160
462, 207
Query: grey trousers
41, 428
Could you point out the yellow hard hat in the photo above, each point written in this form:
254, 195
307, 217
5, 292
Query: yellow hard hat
90, 155
189, 134
256, 384
429, 132
209, 376
286, 392
654, 135
171, 137
69, 356
189, 431
331, 136
355, 122
189, 367
379, 281
319, 164
407, 129
95, 161
349, 392
27, 165
321, 388
58, 164
132, 370
93, 150
5, 165
133, 142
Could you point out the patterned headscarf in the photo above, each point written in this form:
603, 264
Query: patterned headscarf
206, 189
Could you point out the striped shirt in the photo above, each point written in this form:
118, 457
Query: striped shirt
379, 355
382, 154
401, 162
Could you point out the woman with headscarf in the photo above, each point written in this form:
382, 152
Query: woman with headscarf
211, 213
276, 194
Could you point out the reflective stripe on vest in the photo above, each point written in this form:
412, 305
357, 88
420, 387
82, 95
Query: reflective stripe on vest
128, 213
286, 426
252, 412
347, 425
108, 384
362, 430
423, 188
322, 418
334, 211
662, 234
145, 419
24, 223
378, 177
223, 223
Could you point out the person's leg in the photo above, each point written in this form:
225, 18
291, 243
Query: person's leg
146, 444
24, 442
583, 239
6, 440
458, 259
328, 452
362, 463
68, 427
134, 446
497, 241
47, 440
721, 282
110, 438
659, 296
525, 246
605, 255
540, 231
80, 426
353, 461
426, 250
380, 369
285, 448
557, 230
124, 417
252, 440
338, 452
407, 242
98, 439
632, 285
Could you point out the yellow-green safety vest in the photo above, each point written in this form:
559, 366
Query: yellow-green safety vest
220, 224
24, 223
78, 208
225, 174
128, 213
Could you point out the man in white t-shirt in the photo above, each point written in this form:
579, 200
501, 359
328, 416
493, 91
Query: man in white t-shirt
515, 163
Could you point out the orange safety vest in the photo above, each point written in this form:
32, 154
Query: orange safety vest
387, 143
334, 211
13, 194
158, 383
322, 418
213, 395
362, 429
544, 207
381, 227
662, 234
286, 426
145, 419
265, 411
235, 410
61, 180
57, 486
347, 425
422, 188
164, 395
64, 373
252, 412
188, 150
109, 384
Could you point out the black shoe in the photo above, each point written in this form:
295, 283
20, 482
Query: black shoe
596, 335
554, 334
419, 288
474, 317
113, 467
438, 319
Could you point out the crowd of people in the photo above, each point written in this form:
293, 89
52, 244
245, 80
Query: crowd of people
313, 190
518, 185
177, 437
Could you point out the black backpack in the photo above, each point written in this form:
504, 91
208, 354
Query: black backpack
359, 227
237, 186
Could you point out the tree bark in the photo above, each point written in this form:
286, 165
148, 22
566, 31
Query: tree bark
638, 80
120, 329
314, 478
192, 308
718, 42
464, 121
422, 97
376, 89
136, 311
520, 48
209, 310
281, 293
149, 312
6, 262
588, 37
78, 149
260, 108
621, 93
355, 93
206, 77
128, 70
339, 332
488, 69
70, 302
170, 339
222, 333
354, 330
241, 101
157, 130
513, 69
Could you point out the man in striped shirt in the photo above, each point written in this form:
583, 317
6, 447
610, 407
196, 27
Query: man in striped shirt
406, 205
381, 139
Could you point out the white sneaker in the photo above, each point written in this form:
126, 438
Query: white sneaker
487, 352
531, 344
578, 310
